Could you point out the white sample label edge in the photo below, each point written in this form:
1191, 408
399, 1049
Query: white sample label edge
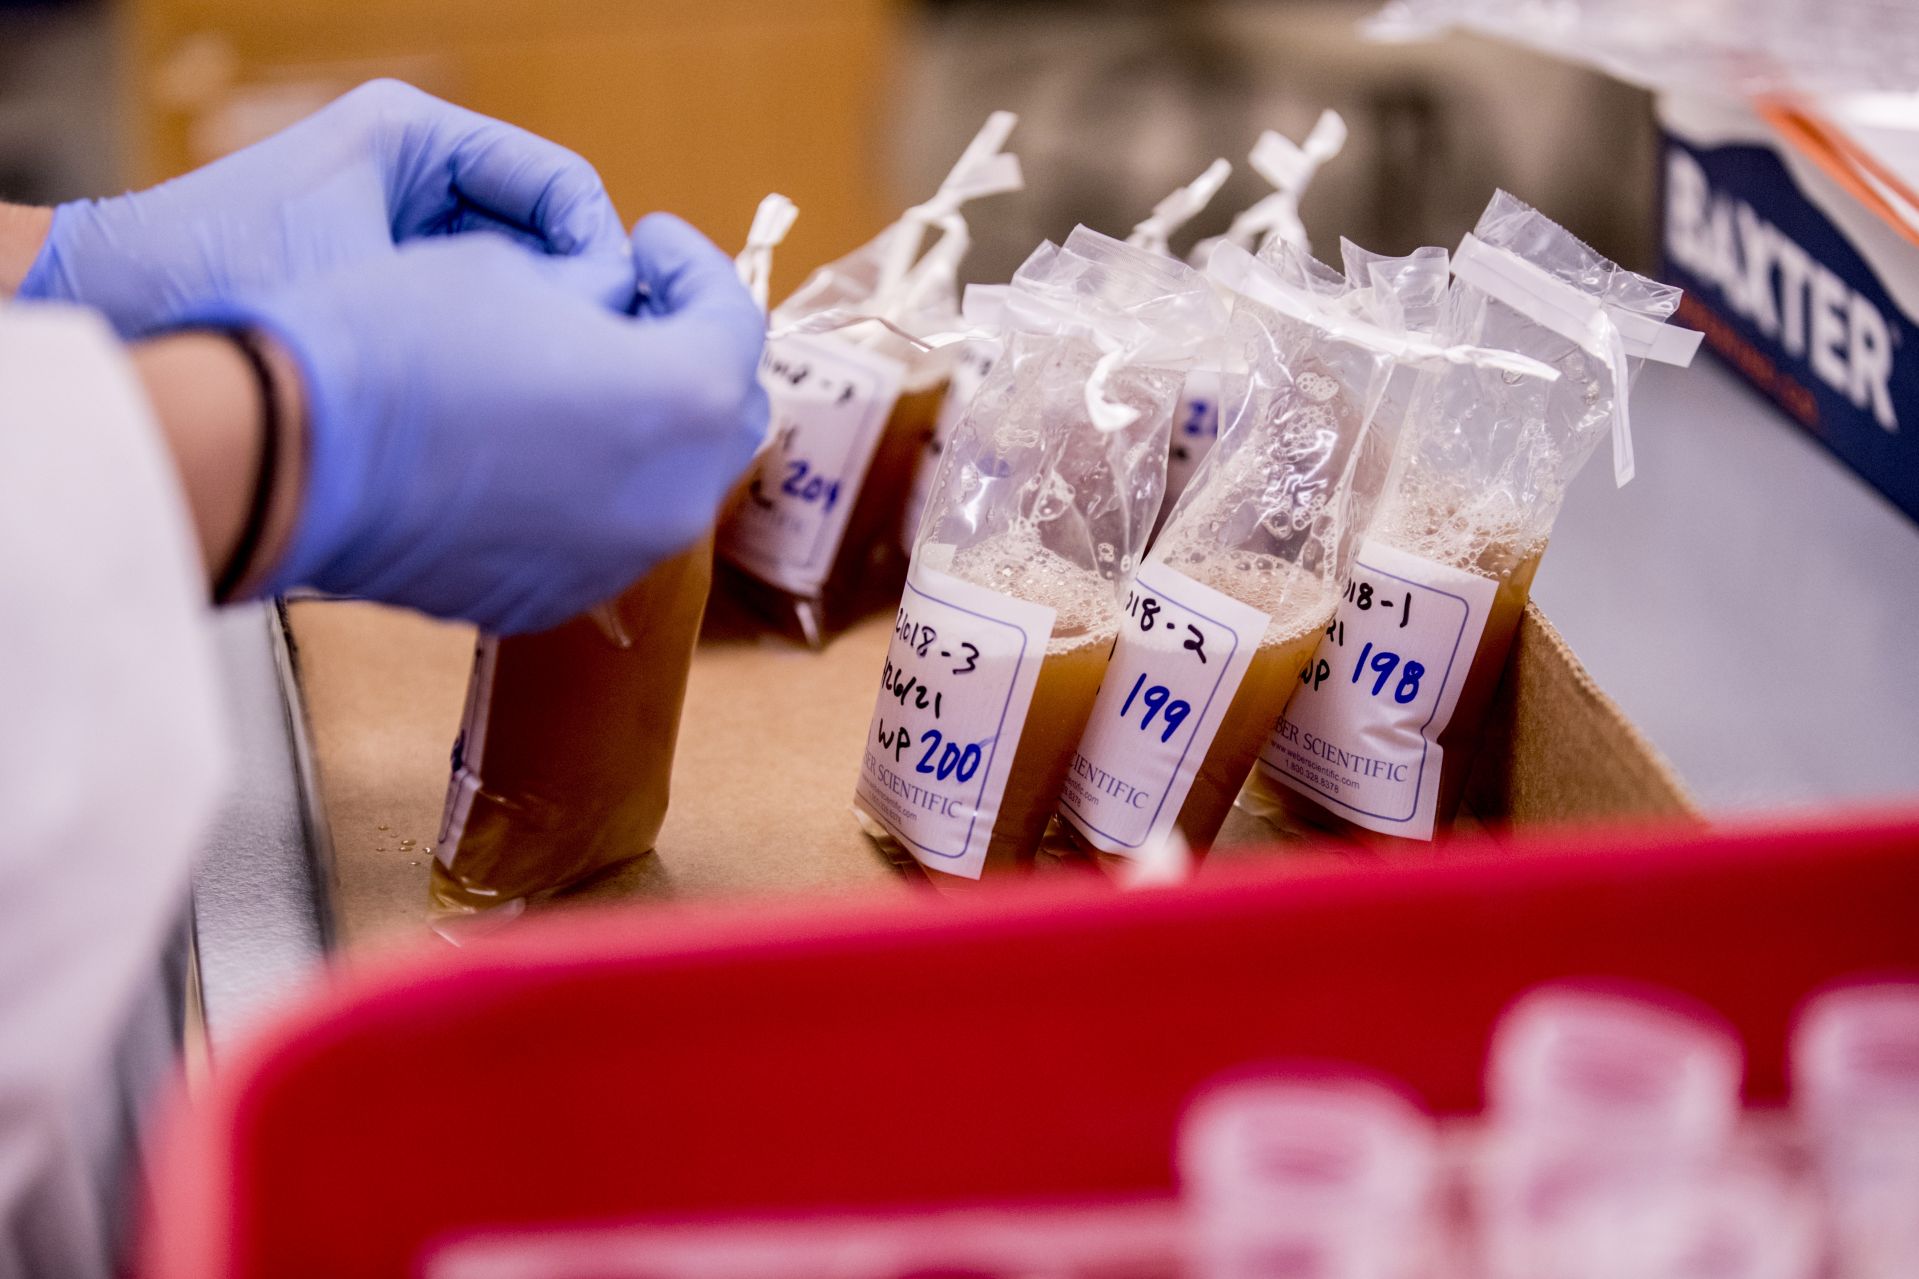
958, 680
1183, 650
1195, 429
830, 400
1361, 734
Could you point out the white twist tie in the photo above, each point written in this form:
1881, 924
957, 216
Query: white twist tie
1106, 413
1006, 309
982, 319
1290, 168
1609, 334
1179, 208
771, 221
836, 318
1238, 271
983, 169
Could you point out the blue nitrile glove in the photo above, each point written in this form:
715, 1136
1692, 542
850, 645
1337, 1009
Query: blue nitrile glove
489, 439
380, 166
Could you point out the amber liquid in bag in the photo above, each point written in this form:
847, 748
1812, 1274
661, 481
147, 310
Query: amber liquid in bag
869, 568
1459, 741
1300, 606
1062, 699
566, 751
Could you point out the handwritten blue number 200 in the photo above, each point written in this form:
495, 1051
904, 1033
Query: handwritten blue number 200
954, 761
1382, 664
1158, 700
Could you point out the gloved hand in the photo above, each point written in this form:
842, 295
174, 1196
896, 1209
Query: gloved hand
382, 165
488, 439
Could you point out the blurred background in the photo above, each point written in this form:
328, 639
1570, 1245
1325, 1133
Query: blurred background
856, 108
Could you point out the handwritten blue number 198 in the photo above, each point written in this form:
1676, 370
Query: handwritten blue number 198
1383, 664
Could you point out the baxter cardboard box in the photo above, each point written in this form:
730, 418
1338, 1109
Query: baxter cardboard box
1796, 240
770, 747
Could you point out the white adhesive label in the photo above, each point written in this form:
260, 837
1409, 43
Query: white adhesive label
1183, 650
1195, 430
975, 361
958, 679
830, 401
1361, 736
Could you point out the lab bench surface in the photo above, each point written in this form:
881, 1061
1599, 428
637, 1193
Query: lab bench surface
385, 690
769, 748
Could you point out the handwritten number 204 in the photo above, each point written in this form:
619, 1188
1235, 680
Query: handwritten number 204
1383, 664
809, 485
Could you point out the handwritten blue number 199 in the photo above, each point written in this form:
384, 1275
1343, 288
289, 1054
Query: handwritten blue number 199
1158, 700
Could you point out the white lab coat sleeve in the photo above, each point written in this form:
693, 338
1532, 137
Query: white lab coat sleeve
112, 746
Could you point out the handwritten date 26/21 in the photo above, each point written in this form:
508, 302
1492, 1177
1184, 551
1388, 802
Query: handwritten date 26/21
942, 759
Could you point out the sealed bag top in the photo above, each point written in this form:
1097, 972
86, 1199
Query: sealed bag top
1058, 467
1488, 454
896, 288
1266, 518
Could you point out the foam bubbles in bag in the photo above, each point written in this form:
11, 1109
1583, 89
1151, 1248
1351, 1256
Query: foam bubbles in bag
1045, 495
1485, 450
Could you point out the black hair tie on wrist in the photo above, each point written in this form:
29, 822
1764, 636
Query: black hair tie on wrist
247, 545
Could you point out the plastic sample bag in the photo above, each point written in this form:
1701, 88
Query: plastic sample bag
565, 751
982, 311
1380, 735
1793, 50
1406, 295
1196, 419
854, 398
1238, 587
1038, 516
1289, 167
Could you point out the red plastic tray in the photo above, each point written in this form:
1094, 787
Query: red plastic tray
1033, 1042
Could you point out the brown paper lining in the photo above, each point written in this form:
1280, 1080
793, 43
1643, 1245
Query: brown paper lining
770, 747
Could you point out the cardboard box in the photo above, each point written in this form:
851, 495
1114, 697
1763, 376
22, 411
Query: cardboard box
1800, 263
770, 747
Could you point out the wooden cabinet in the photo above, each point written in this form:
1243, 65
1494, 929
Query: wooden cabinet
700, 108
